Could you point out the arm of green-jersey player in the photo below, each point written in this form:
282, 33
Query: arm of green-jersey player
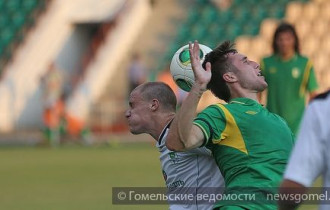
183, 135
312, 84
262, 96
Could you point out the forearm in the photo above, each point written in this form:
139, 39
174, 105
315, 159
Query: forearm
289, 188
181, 136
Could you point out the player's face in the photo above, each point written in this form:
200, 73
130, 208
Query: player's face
137, 113
285, 42
248, 73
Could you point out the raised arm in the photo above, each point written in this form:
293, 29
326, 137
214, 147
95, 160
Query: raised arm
183, 135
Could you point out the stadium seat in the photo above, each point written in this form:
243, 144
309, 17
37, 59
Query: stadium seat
208, 14
310, 11
260, 47
192, 17
233, 30
320, 1
325, 11
320, 28
198, 31
15, 15
276, 12
259, 12
320, 61
293, 11
2, 5
251, 28
310, 45
6, 35
325, 47
17, 20
243, 17
29, 5
267, 28
12, 6
202, 2
243, 44
241, 13
303, 27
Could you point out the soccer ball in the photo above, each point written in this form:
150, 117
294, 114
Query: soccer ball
180, 67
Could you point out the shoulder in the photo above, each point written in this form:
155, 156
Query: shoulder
304, 59
281, 119
268, 58
215, 111
319, 106
214, 108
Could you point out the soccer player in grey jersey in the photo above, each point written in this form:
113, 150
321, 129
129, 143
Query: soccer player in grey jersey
310, 156
151, 109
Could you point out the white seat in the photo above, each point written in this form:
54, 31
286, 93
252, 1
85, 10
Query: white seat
293, 11
303, 28
325, 11
311, 11
310, 45
260, 47
268, 27
243, 44
325, 45
320, 27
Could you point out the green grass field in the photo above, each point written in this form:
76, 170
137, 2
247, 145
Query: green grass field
76, 178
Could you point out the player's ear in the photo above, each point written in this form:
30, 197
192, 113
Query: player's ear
229, 77
154, 104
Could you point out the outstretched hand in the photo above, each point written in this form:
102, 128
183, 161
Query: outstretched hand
202, 76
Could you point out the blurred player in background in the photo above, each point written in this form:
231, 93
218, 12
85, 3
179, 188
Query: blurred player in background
250, 144
290, 76
53, 106
137, 72
152, 107
310, 156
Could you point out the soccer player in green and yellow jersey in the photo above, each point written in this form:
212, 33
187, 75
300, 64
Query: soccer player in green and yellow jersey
289, 76
251, 145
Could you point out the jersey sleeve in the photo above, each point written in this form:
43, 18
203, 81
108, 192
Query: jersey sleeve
263, 66
212, 122
306, 161
312, 84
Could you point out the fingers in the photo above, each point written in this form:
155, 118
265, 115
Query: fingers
191, 51
194, 49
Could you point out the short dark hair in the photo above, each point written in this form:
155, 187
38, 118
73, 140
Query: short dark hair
285, 27
220, 65
160, 91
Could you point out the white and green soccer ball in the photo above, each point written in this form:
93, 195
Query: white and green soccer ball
180, 67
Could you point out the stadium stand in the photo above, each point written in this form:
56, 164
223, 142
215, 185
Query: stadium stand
62, 36
16, 17
210, 25
250, 23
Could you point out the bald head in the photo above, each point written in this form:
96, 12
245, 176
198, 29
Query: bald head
160, 91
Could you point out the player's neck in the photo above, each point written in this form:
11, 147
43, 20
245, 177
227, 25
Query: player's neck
160, 123
245, 94
287, 55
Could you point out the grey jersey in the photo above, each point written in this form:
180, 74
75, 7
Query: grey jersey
310, 156
193, 169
